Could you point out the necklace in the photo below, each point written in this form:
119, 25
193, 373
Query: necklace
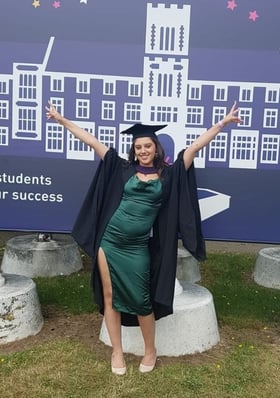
145, 170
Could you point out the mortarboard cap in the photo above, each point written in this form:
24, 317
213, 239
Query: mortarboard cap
143, 130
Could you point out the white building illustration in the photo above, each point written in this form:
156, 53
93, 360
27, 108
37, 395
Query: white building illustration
164, 93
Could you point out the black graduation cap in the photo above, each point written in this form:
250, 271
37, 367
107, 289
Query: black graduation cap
143, 130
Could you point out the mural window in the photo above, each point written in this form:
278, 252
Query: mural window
82, 86
4, 110
270, 149
220, 94
194, 93
107, 135
219, 112
244, 149
4, 137
132, 112
272, 95
27, 119
27, 86
195, 115
57, 85
190, 138
218, 148
108, 110
82, 109
58, 103
246, 116
4, 88
270, 118
134, 90
77, 148
165, 82
167, 39
246, 95
54, 138
109, 88
165, 114
125, 143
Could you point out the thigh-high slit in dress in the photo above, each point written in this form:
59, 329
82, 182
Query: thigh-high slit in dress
125, 245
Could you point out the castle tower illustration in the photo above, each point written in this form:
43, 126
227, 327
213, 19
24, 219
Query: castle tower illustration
166, 66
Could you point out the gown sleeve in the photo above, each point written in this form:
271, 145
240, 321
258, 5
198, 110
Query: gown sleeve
189, 217
87, 224
179, 216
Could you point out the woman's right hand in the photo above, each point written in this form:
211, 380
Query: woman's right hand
83, 135
52, 113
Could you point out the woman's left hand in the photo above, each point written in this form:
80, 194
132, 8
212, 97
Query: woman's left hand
232, 116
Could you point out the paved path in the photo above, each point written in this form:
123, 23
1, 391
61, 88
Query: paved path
236, 247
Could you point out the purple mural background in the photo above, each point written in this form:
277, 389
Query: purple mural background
236, 41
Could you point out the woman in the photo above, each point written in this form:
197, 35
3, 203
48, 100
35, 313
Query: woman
134, 270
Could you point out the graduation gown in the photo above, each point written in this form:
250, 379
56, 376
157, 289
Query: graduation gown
179, 214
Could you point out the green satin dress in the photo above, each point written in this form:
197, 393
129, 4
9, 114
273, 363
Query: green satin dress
125, 244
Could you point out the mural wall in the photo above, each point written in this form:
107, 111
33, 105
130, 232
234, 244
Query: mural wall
107, 65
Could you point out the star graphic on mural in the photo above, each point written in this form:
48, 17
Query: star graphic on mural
83, 1
36, 3
253, 15
56, 4
231, 5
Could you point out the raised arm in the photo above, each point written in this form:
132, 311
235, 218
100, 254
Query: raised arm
77, 131
209, 135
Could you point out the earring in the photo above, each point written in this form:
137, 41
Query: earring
156, 155
135, 158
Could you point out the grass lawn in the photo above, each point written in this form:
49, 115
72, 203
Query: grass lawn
244, 364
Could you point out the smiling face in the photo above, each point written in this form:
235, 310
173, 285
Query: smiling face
145, 150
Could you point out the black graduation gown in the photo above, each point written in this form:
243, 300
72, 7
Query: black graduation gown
179, 214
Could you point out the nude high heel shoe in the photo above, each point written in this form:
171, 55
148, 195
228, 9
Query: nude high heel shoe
147, 368
118, 371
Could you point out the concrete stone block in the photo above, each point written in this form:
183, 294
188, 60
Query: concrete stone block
190, 329
25, 255
20, 311
187, 267
267, 268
